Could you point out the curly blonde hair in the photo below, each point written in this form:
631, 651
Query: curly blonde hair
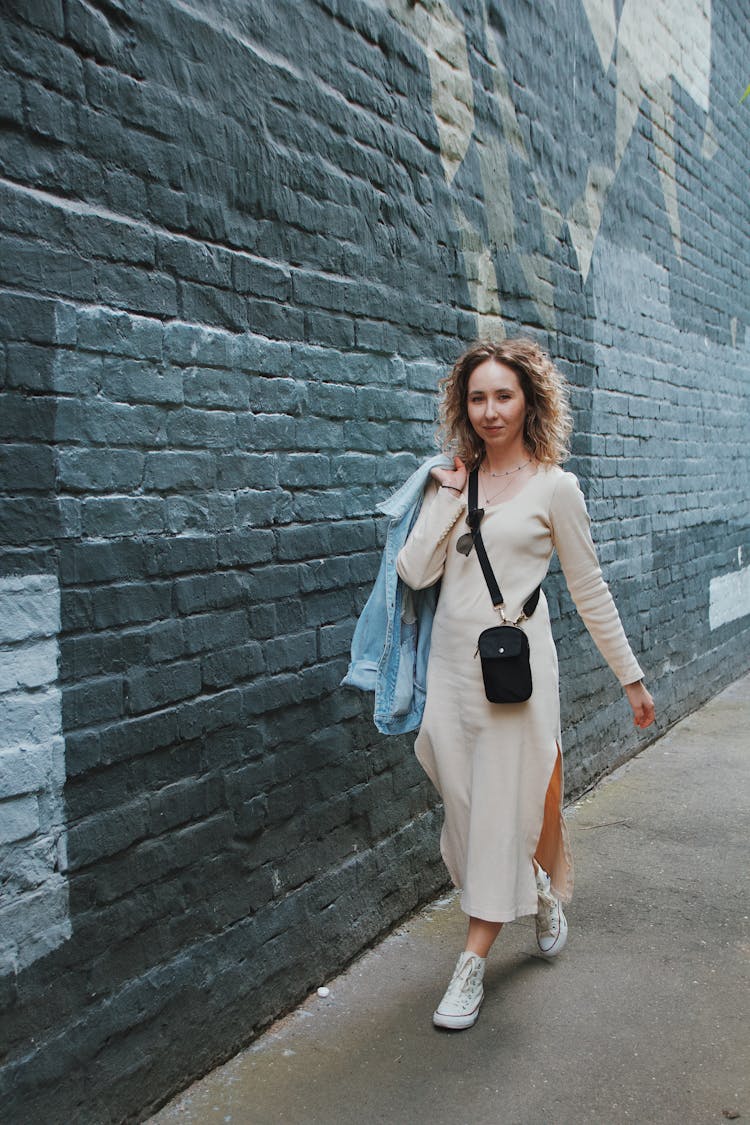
548, 423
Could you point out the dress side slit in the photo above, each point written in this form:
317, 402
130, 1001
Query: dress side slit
550, 848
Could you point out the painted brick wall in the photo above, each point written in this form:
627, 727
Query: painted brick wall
239, 243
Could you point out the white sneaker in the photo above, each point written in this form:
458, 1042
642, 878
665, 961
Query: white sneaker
551, 925
459, 1007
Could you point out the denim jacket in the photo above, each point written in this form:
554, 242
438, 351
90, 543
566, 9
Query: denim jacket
391, 641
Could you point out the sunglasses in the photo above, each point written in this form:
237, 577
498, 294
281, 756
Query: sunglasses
466, 541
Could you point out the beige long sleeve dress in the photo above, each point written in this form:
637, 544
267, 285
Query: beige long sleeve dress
498, 767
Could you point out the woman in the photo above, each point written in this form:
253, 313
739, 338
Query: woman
498, 767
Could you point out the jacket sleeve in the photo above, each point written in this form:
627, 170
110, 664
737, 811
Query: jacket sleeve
421, 560
571, 534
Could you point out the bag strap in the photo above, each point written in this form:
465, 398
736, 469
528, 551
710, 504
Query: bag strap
474, 520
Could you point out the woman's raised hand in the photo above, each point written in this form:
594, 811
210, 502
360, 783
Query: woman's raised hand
642, 703
454, 478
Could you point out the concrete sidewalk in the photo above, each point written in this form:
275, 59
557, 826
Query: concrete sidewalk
643, 1018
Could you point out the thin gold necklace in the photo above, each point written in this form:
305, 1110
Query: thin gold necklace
508, 473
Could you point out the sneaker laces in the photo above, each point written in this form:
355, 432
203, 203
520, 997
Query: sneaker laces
548, 912
464, 978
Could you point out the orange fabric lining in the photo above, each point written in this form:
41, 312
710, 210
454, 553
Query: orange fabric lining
550, 845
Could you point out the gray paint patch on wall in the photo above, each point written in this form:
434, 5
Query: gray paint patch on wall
34, 907
729, 596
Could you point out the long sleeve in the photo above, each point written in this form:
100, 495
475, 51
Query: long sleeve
421, 560
571, 534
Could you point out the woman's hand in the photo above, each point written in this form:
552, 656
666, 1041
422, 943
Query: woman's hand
454, 478
642, 703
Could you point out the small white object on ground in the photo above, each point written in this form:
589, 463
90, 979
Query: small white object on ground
323, 991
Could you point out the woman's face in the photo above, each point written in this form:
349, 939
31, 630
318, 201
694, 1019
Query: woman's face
496, 406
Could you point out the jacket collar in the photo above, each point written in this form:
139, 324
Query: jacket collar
403, 499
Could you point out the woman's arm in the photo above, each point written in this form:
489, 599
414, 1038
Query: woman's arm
571, 533
421, 560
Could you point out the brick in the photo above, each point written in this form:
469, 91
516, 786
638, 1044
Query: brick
356, 468
333, 331
28, 770
191, 343
352, 535
90, 702
94, 470
260, 279
166, 205
315, 433
25, 263
28, 666
163, 641
147, 692
130, 603
194, 515
335, 640
35, 320
26, 468
208, 387
296, 470
205, 304
245, 548
207, 592
324, 608
106, 833
202, 428
25, 418
265, 431
332, 400
139, 736
47, 15
269, 318
275, 395
214, 630
255, 509
131, 381
100, 653
109, 423
29, 607
180, 554
271, 582
126, 193
233, 665
140, 291
49, 114
211, 713
302, 542
11, 100
246, 470
171, 472
290, 652
121, 515
253, 353
19, 819
288, 616
119, 333
99, 562
269, 694
184, 801
188, 258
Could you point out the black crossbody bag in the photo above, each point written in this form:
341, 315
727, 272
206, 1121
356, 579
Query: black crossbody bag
503, 649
